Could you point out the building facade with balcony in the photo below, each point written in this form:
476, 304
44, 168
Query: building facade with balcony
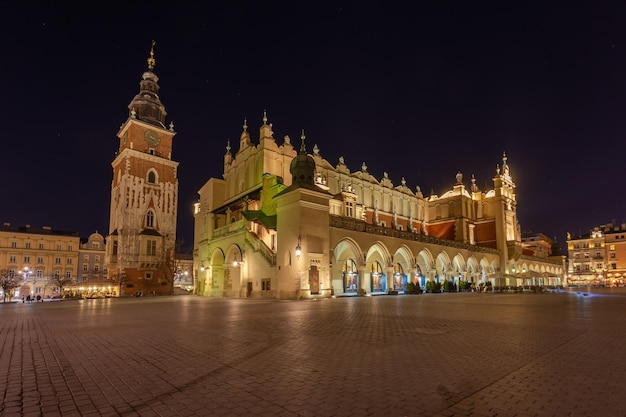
599, 257
45, 259
283, 223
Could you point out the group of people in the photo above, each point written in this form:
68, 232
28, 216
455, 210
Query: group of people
33, 298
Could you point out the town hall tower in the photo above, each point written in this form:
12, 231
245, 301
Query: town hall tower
144, 195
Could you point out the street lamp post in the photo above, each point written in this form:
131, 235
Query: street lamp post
26, 272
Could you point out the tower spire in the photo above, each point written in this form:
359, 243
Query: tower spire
146, 105
302, 147
151, 60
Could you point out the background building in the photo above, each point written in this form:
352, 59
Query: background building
144, 196
92, 272
286, 224
598, 257
45, 259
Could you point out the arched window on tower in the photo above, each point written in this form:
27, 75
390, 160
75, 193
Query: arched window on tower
152, 177
150, 219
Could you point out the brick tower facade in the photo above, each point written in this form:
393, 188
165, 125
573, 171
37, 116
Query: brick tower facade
144, 195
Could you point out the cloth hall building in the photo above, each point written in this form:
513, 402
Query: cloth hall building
286, 224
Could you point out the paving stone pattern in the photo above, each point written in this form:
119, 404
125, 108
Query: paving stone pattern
466, 354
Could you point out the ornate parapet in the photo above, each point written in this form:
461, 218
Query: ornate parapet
357, 225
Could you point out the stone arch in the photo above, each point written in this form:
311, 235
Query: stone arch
377, 260
473, 269
346, 280
443, 266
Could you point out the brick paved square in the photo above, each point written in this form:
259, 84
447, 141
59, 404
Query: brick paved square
450, 354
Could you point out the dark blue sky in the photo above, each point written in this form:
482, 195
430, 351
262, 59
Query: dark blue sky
420, 91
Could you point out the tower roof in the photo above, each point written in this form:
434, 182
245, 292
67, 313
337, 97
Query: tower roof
146, 105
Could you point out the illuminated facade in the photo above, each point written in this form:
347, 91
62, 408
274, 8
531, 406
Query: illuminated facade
144, 195
41, 257
286, 224
598, 257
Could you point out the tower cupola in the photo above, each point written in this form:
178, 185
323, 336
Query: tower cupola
146, 105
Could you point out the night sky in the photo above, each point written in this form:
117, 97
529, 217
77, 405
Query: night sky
419, 91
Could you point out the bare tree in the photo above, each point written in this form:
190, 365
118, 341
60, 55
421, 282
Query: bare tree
168, 266
118, 278
60, 281
8, 282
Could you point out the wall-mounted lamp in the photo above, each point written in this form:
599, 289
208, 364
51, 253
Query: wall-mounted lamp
202, 266
236, 262
299, 247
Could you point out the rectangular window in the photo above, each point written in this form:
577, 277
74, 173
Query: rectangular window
40, 259
14, 245
151, 248
265, 285
68, 261
114, 250
349, 209
57, 260
68, 275
27, 245
148, 275
39, 274
58, 247
37, 290
613, 266
86, 259
96, 245
612, 255
96, 268
26, 259
70, 247
97, 258
12, 259
41, 246
85, 267
612, 247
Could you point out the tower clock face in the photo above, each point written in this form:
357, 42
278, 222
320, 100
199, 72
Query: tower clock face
152, 137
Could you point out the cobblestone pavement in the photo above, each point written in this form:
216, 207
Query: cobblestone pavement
554, 354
